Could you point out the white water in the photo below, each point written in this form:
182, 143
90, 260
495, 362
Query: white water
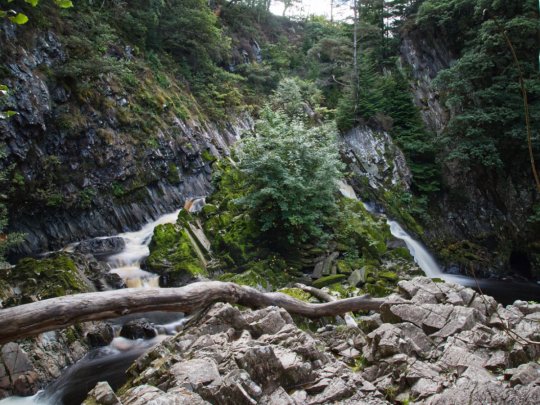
127, 264
420, 254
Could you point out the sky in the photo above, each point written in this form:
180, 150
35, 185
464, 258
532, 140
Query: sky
317, 7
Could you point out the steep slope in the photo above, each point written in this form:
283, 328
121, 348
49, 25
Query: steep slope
112, 132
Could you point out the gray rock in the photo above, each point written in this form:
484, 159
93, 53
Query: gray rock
100, 247
102, 394
357, 277
525, 374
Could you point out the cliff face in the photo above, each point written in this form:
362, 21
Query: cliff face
79, 164
481, 215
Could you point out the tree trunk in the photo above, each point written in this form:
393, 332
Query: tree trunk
56, 313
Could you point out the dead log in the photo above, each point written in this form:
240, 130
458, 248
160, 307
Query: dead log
56, 313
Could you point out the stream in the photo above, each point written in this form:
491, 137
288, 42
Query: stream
110, 363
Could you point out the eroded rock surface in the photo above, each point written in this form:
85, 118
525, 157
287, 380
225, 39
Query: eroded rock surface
439, 344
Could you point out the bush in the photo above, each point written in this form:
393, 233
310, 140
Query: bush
290, 172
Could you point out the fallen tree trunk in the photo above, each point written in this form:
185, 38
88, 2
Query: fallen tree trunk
56, 313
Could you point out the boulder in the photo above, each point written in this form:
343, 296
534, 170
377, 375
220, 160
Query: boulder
524, 375
138, 329
357, 277
100, 334
101, 247
102, 394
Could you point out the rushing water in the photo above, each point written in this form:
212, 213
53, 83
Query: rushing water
103, 364
505, 291
110, 362
420, 254
127, 264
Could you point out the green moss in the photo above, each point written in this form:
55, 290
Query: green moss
401, 252
377, 289
207, 156
173, 255
329, 280
363, 234
209, 210
344, 267
173, 175
46, 278
340, 289
296, 293
388, 275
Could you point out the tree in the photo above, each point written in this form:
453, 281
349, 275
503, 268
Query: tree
188, 30
291, 169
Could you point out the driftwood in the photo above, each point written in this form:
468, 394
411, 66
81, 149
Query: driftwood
56, 313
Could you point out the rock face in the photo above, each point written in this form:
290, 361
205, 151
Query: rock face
373, 155
81, 170
100, 247
487, 207
27, 366
249, 357
439, 343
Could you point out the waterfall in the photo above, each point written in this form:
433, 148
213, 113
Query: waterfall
127, 264
420, 254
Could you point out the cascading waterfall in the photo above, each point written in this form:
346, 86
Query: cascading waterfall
127, 264
420, 254
109, 363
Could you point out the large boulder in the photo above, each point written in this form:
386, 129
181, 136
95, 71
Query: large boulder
101, 247
138, 329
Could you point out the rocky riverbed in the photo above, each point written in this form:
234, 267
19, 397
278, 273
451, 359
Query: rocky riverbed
444, 344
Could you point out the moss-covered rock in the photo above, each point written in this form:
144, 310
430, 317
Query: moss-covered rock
296, 293
329, 280
266, 274
174, 256
37, 279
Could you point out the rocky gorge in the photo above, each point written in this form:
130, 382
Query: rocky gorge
256, 150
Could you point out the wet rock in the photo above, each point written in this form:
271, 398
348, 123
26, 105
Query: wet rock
138, 329
100, 335
101, 247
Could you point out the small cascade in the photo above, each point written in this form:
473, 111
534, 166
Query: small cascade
420, 254
127, 264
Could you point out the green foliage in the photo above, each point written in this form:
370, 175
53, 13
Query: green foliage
7, 240
199, 42
358, 231
290, 173
482, 88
